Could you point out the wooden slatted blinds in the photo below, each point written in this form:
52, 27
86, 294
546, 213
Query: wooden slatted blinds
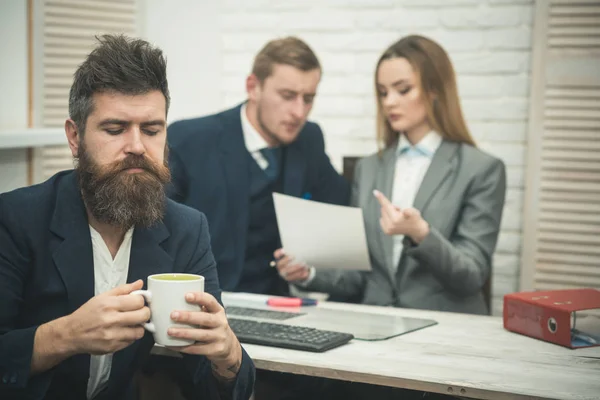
69, 30
562, 216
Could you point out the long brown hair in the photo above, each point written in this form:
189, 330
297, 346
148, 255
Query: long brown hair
438, 86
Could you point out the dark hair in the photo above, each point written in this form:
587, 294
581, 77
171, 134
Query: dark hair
118, 64
288, 51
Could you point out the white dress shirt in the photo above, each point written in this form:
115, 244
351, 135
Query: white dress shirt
108, 274
254, 142
411, 165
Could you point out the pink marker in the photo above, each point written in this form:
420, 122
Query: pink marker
290, 302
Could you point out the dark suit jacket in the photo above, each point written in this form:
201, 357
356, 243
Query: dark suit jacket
209, 163
47, 271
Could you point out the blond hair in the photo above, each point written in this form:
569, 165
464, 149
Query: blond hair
288, 51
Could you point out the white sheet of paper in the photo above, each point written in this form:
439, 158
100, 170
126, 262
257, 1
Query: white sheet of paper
322, 235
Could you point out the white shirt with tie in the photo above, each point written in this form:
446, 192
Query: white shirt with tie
254, 142
412, 163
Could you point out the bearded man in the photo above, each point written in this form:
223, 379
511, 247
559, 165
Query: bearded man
73, 248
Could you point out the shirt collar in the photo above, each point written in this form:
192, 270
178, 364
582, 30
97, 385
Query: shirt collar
96, 235
252, 139
426, 146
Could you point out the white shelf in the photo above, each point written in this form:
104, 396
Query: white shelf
32, 137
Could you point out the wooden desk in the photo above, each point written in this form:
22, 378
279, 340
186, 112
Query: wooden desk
465, 355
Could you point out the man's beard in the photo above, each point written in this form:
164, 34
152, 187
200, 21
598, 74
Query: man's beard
119, 198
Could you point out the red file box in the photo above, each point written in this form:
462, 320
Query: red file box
569, 318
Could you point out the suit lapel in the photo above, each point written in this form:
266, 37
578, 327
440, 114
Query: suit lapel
73, 256
438, 170
293, 170
147, 257
385, 183
235, 163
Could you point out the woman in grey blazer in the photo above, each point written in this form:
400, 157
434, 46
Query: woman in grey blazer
432, 201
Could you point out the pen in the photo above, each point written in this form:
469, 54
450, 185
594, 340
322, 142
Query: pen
290, 302
274, 262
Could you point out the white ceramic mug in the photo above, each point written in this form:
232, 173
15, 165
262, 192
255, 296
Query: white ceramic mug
165, 294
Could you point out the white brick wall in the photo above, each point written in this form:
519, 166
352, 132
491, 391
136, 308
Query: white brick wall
488, 41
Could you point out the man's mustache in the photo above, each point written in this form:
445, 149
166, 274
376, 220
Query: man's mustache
134, 161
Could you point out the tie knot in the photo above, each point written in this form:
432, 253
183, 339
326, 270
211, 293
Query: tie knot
413, 151
271, 154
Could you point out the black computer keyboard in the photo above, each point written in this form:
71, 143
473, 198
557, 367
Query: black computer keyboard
261, 313
287, 336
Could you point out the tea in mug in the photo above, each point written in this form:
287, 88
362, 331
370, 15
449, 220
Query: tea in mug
175, 277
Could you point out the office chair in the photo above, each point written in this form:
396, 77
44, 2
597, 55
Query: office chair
487, 293
348, 165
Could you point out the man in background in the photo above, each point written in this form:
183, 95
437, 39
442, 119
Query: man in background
228, 165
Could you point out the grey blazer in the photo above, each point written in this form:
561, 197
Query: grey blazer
461, 197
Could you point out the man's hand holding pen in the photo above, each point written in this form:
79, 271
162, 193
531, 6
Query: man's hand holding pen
289, 268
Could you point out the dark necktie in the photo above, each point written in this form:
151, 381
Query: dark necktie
271, 155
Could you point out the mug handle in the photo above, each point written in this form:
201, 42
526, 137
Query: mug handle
147, 295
